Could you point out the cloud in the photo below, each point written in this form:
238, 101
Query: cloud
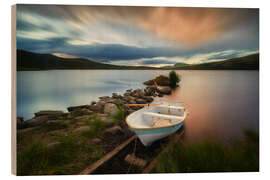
177, 25
138, 35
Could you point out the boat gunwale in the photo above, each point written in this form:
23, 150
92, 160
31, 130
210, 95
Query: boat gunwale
151, 128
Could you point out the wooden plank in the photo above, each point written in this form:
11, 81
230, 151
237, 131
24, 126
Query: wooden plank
90, 169
149, 168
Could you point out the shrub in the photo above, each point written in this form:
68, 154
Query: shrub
174, 79
97, 125
81, 112
211, 156
33, 159
119, 116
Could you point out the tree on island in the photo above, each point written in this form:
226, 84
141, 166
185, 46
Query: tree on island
174, 79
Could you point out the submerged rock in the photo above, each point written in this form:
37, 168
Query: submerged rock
165, 90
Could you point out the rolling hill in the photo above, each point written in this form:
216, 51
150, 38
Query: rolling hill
29, 61
250, 62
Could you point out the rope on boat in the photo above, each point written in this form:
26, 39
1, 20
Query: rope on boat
133, 153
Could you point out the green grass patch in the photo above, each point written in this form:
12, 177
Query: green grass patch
70, 156
53, 126
81, 112
120, 116
211, 157
96, 125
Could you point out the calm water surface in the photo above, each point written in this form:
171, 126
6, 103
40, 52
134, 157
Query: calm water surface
221, 103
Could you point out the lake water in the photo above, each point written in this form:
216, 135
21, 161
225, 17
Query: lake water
221, 103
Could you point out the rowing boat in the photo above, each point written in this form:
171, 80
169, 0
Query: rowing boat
156, 121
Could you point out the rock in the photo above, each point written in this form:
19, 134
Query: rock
58, 132
165, 90
132, 102
115, 95
84, 117
93, 102
36, 121
114, 130
82, 128
101, 103
21, 131
96, 140
53, 144
148, 99
19, 120
150, 90
160, 95
73, 108
106, 119
104, 97
131, 159
95, 108
160, 80
130, 111
49, 112
129, 98
110, 108
138, 93
141, 101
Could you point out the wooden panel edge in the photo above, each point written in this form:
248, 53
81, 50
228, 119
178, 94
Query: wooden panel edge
13, 92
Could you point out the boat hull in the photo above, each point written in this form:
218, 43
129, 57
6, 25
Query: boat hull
147, 137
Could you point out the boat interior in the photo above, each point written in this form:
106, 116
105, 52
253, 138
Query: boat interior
157, 116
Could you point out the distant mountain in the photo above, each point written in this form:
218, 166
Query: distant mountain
250, 62
27, 61
35, 61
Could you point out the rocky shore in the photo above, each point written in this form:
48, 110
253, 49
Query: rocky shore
99, 123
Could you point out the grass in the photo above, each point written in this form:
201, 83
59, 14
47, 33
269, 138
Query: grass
81, 112
96, 127
120, 116
211, 156
67, 157
53, 126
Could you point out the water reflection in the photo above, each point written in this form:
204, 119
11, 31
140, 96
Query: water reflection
221, 103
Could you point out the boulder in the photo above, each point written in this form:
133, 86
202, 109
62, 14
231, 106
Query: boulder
141, 101
114, 130
115, 95
93, 102
129, 98
104, 97
96, 140
160, 81
148, 99
84, 117
131, 159
106, 119
95, 108
49, 112
73, 108
110, 108
165, 90
82, 128
53, 144
36, 121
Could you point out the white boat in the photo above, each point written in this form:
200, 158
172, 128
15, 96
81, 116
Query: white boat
156, 121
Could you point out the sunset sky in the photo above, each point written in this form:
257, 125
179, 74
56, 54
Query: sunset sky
149, 36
